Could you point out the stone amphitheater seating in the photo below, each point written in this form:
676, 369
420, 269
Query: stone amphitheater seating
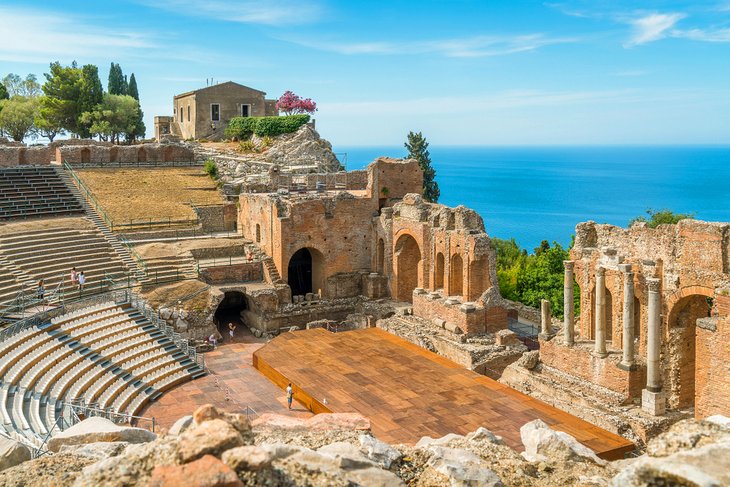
108, 354
49, 254
35, 191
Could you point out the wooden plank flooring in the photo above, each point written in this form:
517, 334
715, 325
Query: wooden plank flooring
408, 392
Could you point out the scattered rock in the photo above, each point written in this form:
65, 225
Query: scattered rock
379, 451
707, 466
211, 437
181, 425
543, 444
346, 455
483, 434
685, 435
207, 471
96, 451
529, 360
59, 470
96, 429
252, 458
444, 440
719, 420
462, 467
12, 453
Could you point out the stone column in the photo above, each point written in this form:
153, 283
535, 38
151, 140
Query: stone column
568, 304
652, 398
545, 325
600, 314
627, 362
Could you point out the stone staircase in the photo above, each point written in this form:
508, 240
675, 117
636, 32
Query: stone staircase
271, 273
168, 269
121, 250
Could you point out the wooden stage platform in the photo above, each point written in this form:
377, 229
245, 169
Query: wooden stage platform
408, 392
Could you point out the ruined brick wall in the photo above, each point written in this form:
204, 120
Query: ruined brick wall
394, 178
217, 218
604, 372
691, 259
16, 155
712, 376
104, 154
247, 272
454, 253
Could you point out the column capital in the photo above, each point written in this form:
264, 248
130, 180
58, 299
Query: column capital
625, 268
653, 284
600, 271
569, 265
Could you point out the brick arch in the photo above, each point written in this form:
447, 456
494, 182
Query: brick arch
686, 291
456, 275
407, 263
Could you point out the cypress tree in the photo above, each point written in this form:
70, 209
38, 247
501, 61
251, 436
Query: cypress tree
3, 92
116, 80
125, 84
418, 150
132, 89
91, 94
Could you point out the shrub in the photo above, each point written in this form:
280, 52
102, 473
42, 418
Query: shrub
211, 169
661, 217
247, 146
242, 128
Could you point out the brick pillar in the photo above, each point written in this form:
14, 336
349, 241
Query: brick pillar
627, 362
568, 304
652, 398
600, 312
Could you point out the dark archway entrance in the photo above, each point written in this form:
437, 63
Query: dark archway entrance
408, 261
229, 310
300, 272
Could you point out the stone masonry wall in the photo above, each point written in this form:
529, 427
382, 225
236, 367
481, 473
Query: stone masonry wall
246, 272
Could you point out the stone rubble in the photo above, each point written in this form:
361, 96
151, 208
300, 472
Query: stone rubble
216, 448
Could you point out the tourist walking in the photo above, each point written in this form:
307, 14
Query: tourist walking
74, 277
213, 340
289, 395
40, 290
81, 279
231, 329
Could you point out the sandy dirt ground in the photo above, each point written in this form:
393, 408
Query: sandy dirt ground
159, 193
169, 249
9, 229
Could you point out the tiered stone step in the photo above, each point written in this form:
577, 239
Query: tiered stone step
34, 191
108, 354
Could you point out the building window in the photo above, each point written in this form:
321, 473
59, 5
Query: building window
188, 113
215, 112
181, 114
245, 110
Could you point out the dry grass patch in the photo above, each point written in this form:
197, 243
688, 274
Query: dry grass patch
170, 293
157, 194
168, 249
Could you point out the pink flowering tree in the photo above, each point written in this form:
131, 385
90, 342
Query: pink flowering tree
291, 103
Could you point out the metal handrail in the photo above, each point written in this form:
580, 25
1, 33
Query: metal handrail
89, 196
133, 252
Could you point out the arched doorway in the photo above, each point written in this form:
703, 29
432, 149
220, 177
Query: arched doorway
229, 310
456, 276
305, 273
85, 155
408, 262
439, 277
681, 342
478, 278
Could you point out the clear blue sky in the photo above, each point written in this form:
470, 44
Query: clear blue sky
469, 72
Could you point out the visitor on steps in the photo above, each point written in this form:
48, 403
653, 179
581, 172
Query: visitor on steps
74, 277
289, 395
231, 329
81, 278
213, 340
40, 291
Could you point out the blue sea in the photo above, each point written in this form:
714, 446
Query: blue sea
541, 193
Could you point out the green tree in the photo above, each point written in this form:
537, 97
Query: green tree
116, 80
661, 217
91, 93
27, 87
46, 122
134, 93
132, 89
418, 150
17, 117
3, 92
63, 90
114, 117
